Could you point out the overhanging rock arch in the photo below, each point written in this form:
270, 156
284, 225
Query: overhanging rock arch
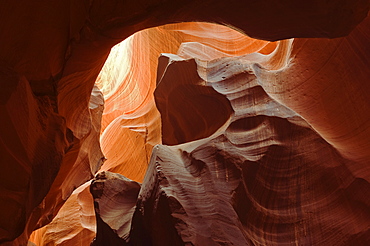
70, 45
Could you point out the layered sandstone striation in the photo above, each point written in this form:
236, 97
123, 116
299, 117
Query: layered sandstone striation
62, 230
115, 201
265, 162
131, 124
52, 52
267, 178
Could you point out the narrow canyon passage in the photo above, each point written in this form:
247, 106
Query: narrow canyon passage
196, 133
274, 163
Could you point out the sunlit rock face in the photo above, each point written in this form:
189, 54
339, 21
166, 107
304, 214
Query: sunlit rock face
128, 80
266, 178
52, 115
131, 129
265, 161
63, 230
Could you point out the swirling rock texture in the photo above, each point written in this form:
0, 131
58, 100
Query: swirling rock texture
234, 188
114, 199
52, 52
130, 114
63, 229
130, 130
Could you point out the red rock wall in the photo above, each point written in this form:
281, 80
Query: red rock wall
267, 178
52, 52
131, 126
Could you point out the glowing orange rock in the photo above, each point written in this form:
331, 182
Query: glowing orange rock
63, 230
131, 123
52, 52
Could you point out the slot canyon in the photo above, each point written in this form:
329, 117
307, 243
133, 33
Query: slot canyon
156, 122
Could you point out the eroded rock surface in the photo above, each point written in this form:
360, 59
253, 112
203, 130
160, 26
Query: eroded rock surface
189, 110
30, 160
266, 179
131, 123
115, 199
75, 221
52, 52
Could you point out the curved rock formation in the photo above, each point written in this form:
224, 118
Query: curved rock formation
267, 162
77, 210
189, 110
267, 179
132, 128
128, 80
115, 201
29, 159
52, 52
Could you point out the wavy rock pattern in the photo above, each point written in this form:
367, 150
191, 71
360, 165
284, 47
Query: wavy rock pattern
131, 129
63, 230
114, 200
77, 210
130, 114
267, 179
267, 162
51, 53
189, 110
